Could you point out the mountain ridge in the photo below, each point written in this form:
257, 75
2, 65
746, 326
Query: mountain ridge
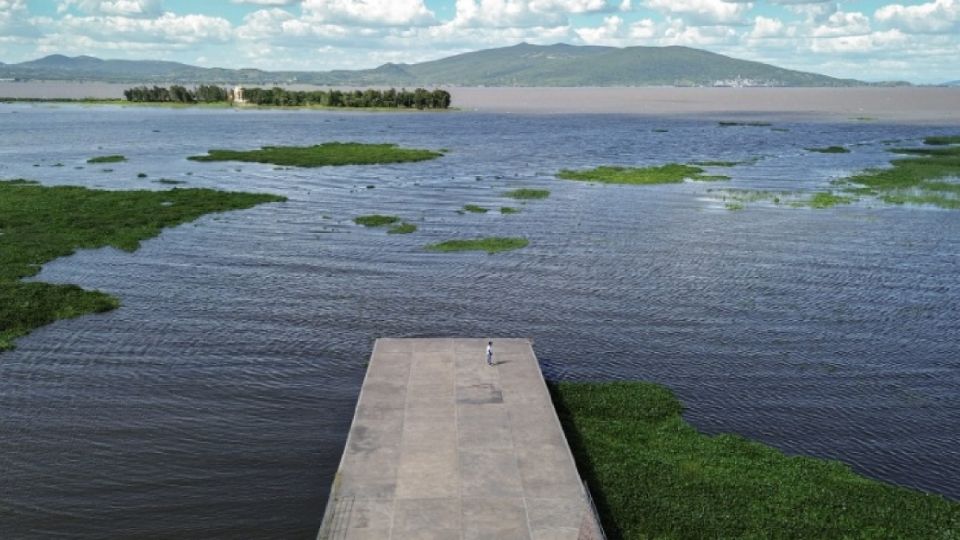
518, 65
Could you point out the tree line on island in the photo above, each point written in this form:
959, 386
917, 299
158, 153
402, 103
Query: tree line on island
419, 98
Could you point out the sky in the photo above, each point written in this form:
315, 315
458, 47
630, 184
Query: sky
872, 40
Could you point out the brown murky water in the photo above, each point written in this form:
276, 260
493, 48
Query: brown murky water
932, 105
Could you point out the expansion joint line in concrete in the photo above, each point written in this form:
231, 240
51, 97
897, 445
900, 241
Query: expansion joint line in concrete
403, 422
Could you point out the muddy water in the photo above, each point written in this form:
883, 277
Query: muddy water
216, 401
925, 105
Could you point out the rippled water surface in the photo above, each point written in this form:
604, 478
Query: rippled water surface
216, 401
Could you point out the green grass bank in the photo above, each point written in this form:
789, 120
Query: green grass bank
375, 220
107, 159
39, 224
327, 154
490, 245
830, 150
527, 194
653, 475
671, 173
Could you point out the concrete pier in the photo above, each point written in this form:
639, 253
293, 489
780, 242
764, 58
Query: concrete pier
444, 446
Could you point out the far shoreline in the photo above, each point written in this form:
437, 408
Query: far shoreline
911, 105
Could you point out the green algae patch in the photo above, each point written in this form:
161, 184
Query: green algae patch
508, 210
942, 140
830, 150
723, 123
39, 224
107, 159
527, 194
717, 163
490, 245
375, 220
475, 209
403, 228
671, 173
652, 475
327, 154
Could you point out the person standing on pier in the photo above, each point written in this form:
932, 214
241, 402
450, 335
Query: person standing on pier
489, 353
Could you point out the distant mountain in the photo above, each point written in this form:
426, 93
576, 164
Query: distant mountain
519, 65
952, 83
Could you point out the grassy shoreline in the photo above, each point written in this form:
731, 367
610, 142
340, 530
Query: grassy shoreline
654, 476
42, 223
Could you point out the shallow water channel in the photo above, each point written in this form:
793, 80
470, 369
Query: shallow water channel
215, 403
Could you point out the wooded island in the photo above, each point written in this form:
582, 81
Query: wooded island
419, 98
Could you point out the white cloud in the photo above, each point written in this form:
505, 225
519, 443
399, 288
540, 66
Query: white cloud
267, 2
368, 12
611, 32
702, 12
125, 8
765, 27
813, 12
680, 33
568, 6
15, 23
860, 44
168, 28
504, 14
938, 17
843, 24
642, 30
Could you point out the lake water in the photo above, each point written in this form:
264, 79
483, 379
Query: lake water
215, 403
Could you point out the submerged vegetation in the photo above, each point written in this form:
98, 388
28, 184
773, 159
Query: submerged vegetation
490, 245
931, 176
527, 194
825, 199
403, 228
332, 153
737, 199
380, 220
723, 123
670, 173
508, 210
375, 220
475, 209
916, 180
39, 224
107, 159
718, 163
654, 476
942, 140
830, 150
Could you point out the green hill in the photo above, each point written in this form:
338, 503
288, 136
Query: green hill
519, 65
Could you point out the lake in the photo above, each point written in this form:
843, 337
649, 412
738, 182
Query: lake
215, 403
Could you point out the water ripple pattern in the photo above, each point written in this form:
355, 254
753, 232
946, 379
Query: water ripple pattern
215, 403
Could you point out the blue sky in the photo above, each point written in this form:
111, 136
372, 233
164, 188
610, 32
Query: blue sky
867, 39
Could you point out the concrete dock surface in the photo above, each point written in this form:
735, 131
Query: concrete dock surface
444, 446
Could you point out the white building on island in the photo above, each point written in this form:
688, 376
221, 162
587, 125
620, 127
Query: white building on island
238, 95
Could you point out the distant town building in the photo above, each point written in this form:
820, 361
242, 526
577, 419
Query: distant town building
238, 95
